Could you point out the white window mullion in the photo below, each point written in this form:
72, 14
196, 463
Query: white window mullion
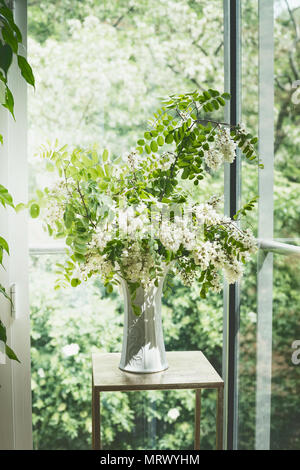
265, 224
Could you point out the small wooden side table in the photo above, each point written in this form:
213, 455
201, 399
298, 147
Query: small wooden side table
187, 370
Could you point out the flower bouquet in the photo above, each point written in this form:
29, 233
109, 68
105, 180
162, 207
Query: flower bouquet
131, 220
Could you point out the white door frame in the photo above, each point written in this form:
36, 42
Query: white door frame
15, 391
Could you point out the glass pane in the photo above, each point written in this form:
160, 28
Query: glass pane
248, 300
284, 375
286, 301
285, 413
100, 72
287, 103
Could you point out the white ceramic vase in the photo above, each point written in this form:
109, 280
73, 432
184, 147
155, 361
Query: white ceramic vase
143, 349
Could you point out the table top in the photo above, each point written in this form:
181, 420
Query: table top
187, 370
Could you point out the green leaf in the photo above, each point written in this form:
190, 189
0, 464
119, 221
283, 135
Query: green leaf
169, 138
3, 336
109, 288
141, 142
34, 210
160, 140
221, 101
203, 293
186, 173
154, 146
80, 248
9, 101
5, 197
206, 95
4, 293
19, 207
26, 70
68, 218
75, 282
78, 257
6, 55
215, 104
4, 245
9, 37
105, 155
213, 93
6, 12
136, 310
10, 354
8, 15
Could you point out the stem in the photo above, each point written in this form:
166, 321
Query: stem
85, 207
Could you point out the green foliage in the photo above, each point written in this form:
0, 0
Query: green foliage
11, 354
9, 46
246, 208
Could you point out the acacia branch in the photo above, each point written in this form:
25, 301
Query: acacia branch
283, 113
292, 16
121, 18
279, 84
192, 79
85, 206
219, 48
296, 41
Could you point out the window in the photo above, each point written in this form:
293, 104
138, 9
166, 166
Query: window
100, 72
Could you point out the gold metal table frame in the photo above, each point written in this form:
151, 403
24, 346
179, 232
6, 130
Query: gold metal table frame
187, 370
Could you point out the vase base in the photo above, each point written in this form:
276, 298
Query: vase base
142, 371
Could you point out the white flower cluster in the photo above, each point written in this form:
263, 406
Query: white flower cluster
204, 254
207, 254
140, 255
166, 161
133, 159
100, 238
223, 150
140, 251
135, 264
226, 145
213, 158
172, 234
134, 221
54, 210
95, 264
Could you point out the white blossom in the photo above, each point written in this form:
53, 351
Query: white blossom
173, 413
213, 158
226, 145
70, 350
233, 271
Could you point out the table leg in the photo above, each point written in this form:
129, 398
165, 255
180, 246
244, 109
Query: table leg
197, 419
96, 420
219, 424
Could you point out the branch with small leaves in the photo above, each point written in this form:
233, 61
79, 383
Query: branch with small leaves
86, 205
